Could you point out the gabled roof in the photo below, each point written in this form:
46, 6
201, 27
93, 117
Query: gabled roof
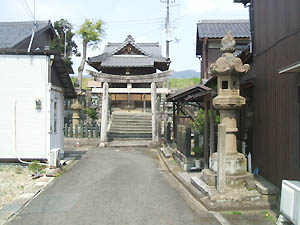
130, 41
195, 93
218, 28
148, 55
14, 33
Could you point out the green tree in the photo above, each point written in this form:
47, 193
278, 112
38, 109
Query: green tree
92, 113
63, 29
90, 33
198, 124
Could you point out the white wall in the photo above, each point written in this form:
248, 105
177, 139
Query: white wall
23, 78
57, 136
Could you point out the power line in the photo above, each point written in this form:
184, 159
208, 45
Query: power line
29, 10
136, 24
137, 20
150, 31
26, 10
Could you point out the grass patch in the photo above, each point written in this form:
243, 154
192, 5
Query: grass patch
236, 213
36, 167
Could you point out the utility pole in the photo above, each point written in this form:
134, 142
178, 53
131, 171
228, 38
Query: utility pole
167, 27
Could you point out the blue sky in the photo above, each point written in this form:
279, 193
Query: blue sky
143, 19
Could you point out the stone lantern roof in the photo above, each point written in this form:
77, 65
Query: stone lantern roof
228, 63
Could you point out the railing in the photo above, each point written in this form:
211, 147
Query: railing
83, 130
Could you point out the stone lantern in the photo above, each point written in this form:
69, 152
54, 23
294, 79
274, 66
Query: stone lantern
228, 70
76, 107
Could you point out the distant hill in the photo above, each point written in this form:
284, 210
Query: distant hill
184, 74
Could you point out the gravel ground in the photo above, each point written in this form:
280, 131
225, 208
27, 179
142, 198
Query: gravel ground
13, 180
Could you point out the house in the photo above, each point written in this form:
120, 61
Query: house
35, 82
273, 90
208, 40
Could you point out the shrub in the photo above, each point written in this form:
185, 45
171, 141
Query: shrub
198, 124
198, 152
36, 167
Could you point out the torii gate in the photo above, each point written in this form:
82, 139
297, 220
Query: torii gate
129, 80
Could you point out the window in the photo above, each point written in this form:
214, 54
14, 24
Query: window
224, 84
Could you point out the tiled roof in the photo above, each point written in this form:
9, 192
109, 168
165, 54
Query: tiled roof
128, 61
150, 53
218, 28
12, 33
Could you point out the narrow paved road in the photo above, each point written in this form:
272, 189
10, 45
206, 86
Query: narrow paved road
113, 187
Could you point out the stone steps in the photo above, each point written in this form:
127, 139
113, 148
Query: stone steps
134, 122
133, 129
130, 126
132, 135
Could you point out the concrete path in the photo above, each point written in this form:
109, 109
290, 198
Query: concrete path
115, 186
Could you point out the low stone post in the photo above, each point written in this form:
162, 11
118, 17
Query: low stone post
221, 174
103, 137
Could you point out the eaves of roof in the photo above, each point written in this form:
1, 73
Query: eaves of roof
198, 90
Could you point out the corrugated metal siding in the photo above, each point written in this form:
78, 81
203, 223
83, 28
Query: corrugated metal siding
276, 110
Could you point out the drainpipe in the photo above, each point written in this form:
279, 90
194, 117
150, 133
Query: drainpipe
15, 134
31, 40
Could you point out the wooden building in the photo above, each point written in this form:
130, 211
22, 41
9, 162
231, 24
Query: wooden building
133, 76
274, 95
208, 41
130, 68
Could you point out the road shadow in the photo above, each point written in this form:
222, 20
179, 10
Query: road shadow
76, 155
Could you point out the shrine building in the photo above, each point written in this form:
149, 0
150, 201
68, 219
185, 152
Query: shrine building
129, 68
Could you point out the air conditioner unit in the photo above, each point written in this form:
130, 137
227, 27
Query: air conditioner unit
54, 158
290, 201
